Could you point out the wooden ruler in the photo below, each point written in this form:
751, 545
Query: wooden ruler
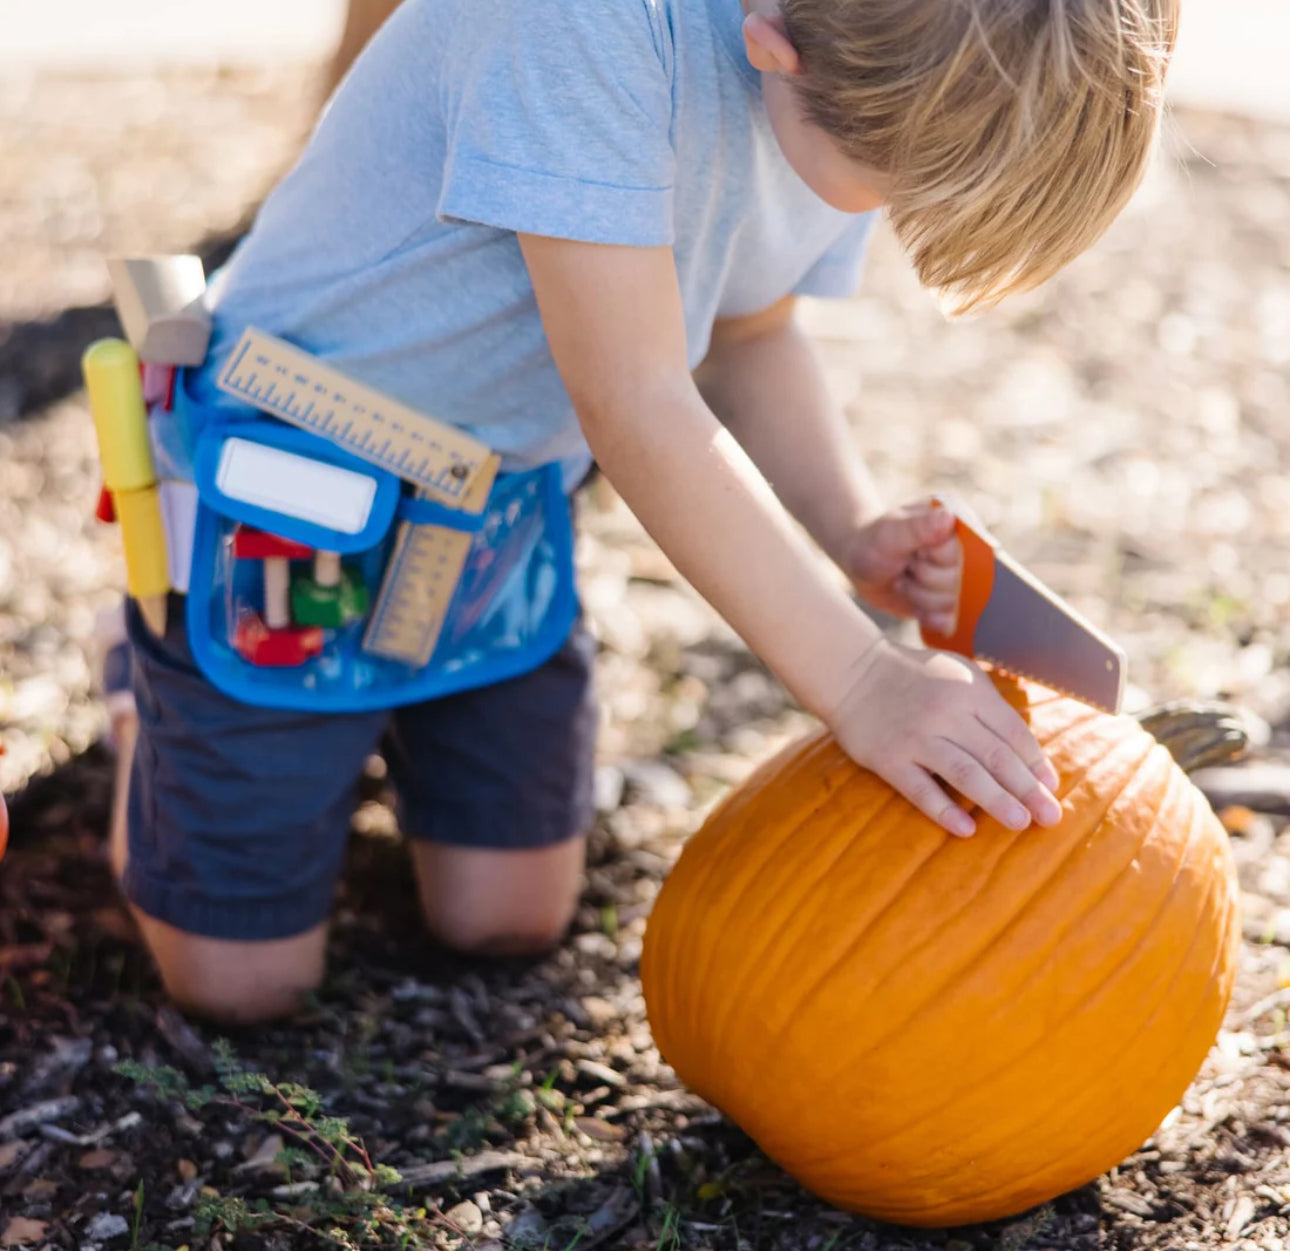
285, 382
420, 578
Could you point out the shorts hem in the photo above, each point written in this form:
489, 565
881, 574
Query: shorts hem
522, 832
235, 920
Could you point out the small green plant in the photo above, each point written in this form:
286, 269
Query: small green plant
138, 1218
350, 1207
669, 1236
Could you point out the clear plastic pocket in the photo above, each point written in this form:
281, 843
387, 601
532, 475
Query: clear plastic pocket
292, 603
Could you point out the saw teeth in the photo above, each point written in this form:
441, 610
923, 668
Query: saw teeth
1052, 686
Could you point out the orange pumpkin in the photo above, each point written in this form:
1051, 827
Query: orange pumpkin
935, 1031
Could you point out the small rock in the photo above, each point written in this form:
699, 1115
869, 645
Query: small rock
595, 944
107, 1225
609, 787
466, 1217
265, 1156
1263, 786
1127, 1201
528, 1226
599, 1011
656, 783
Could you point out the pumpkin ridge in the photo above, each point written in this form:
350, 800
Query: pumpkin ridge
783, 762
1220, 954
756, 965
797, 1012
970, 1208
890, 809
1078, 834
728, 831
947, 841
753, 961
1097, 988
799, 1009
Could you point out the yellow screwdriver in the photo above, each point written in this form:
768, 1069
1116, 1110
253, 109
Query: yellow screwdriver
111, 371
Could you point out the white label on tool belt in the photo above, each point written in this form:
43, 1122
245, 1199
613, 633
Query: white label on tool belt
296, 486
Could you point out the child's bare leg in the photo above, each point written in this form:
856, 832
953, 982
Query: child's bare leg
125, 732
495, 786
234, 982
499, 903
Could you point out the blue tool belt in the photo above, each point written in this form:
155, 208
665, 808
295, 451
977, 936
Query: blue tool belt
513, 606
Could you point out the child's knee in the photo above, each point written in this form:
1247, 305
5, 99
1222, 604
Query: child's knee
479, 933
499, 903
236, 983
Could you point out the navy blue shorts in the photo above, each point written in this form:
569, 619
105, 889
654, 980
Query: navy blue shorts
239, 816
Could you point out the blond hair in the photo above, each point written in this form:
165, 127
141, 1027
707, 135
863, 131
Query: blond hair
1013, 131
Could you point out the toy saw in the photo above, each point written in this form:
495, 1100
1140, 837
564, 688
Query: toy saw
1008, 617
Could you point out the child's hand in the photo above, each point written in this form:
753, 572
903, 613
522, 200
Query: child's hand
914, 716
908, 563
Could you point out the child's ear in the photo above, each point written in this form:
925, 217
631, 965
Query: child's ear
769, 48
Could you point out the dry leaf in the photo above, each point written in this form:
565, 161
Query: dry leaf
1237, 818
187, 1169
11, 1153
601, 1131
102, 1157
20, 1232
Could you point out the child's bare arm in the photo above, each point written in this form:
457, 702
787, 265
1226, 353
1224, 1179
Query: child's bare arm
614, 323
613, 320
762, 379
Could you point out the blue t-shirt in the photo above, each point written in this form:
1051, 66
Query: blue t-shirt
391, 251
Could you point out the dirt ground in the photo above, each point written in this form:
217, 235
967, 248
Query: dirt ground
1124, 431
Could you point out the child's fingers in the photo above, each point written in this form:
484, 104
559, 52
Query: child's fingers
921, 526
948, 554
1004, 722
933, 607
964, 771
1010, 770
923, 791
934, 577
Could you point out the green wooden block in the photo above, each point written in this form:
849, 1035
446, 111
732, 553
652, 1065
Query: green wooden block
329, 606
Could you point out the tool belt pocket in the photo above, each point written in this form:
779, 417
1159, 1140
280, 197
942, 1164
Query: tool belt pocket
322, 583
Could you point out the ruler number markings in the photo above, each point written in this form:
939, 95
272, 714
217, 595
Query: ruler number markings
281, 379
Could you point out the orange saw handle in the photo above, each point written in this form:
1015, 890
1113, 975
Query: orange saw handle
975, 586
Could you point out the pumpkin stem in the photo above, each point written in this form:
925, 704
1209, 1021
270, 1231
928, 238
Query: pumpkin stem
1197, 734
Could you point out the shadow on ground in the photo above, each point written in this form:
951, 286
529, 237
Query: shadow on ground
40, 361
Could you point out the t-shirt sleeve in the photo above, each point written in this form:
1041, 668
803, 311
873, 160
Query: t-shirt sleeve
558, 118
836, 275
